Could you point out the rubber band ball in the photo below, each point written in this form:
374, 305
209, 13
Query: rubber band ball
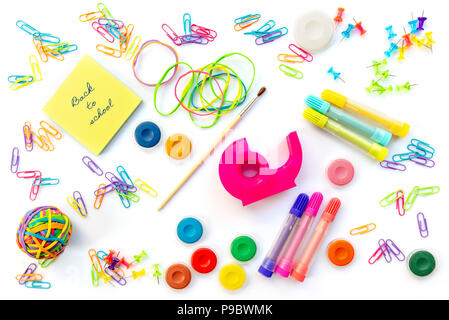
44, 233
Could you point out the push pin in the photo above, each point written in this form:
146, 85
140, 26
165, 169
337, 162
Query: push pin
421, 21
122, 261
417, 41
373, 86
378, 64
105, 277
402, 53
406, 39
393, 48
137, 274
347, 33
336, 75
384, 75
391, 34
339, 18
358, 26
405, 87
383, 90
429, 42
157, 273
140, 257
413, 25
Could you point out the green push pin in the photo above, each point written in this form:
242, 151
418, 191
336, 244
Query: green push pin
373, 86
383, 90
140, 257
378, 64
405, 87
157, 273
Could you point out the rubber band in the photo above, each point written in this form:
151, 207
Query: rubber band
144, 45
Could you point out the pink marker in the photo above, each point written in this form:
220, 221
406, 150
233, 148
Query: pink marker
285, 263
305, 261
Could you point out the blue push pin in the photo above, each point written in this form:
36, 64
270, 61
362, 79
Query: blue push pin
393, 47
413, 26
391, 34
347, 33
336, 75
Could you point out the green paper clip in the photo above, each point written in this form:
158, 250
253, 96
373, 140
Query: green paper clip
411, 198
392, 197
291, 72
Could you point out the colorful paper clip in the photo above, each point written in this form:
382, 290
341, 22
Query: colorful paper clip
22, 82
120, 280
124, 175
290, 58
29, 277
27, 136
106, 13
132, 49
115, 32
46, 37
246, 18
38, 285
209, 34
193, 38
28, 271
26, 27
385, 250
428, 190
363, 229
245, 24
393, 248
90, 16
116, 23
145, 187
105, 189
392, 165
411, 198
389, 199
47, 182
291, 72
50, 130
94, 274
103, 32
429, 163
271, 36
400, 202
99, 198
302, 53
171, 34
109, 51
35, 186
15, 158
44, 263
95, 261
376, 256
92, 166
35, 67
422, 225
404, 156
77, 203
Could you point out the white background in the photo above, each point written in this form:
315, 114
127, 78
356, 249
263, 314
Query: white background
277, 113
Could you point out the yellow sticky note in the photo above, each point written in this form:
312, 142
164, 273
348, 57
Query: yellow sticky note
91, 105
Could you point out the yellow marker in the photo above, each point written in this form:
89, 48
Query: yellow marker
375, 150
396, 127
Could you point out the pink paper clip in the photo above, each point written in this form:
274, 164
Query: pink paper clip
393, 248
307, 56
400, 202
103, 32
376, 256
209, 34
28, 174
35, 186
171, 34
385, 250
429, 163
422, 225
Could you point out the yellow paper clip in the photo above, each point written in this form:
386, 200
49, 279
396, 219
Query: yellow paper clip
35, 67
22, 82
145, 187
53, 53
290, 58
78, 208
132, 49
49, 129
363, 229
29, 277
392, 197
428, 190
91, 16
109, 51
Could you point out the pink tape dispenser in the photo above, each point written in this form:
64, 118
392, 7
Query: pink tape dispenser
265, 182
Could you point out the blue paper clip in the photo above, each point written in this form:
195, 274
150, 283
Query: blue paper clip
16, 78
70, 48
187, 22
393, 47
404, 156
38, 285
47, 182
26, 27
101, 255
247, 18
424, 146
422, 225
115, 32
124, 175
273, 35
422, 153
46, 37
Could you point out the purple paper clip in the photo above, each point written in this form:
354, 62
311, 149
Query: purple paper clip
104, 190
422, 225
113, 178
115, 277
117, 23
29, 270
385, 250
171, 34
393, 248
424, 162
269, 37
80, 201
404, 156
125, 187
15, 160
193, 38
392, 165
92, 166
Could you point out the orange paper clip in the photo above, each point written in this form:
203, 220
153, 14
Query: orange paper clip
363, 229
99, 198
29, 277
109, 51
51, 130
91, 16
